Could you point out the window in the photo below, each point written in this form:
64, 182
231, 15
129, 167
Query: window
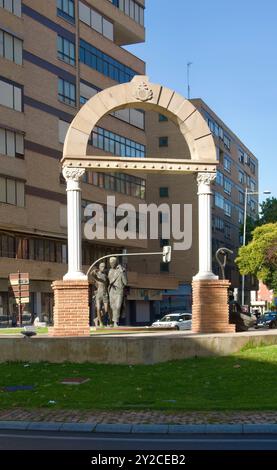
163, 141
66, 50
227, 164
241, 197
135, 117
227, 141
14, 6
227, 208
241, 177
10, 47
62, 130
87, 92
12, 191
253, 185
214, 127
10, 95
104, 63
228, 186
219, 200
227, 231
240, 216
116, 144
67, 92
7, 246
252, 166
219, 178
11, 143
164, 192
253, 205
130, 8
96, 21
66, 10
241, 156
40, 249
218, 224
162, 118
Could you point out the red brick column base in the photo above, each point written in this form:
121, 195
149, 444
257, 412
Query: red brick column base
71, 309
210, 310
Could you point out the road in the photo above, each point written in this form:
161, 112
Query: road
27, 440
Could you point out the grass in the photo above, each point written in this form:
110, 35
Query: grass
16, 331
98, 331
243, 381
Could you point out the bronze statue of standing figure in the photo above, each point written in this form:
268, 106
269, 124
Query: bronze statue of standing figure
102, 296
117, 281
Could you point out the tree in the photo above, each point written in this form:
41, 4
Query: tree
268, 214
259, 257
251, 224
268, 211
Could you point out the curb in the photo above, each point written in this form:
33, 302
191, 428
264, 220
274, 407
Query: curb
140, 428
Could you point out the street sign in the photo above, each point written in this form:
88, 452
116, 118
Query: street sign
19, 278
19, 287
22, 300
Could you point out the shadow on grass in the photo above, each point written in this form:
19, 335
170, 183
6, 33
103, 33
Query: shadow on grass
243, 381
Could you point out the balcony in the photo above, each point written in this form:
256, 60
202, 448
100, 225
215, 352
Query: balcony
128, 25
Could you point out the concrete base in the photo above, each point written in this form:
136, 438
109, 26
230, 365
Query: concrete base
71, 308
210, 309
140, 348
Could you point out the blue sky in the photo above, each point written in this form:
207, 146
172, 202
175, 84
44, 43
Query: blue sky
233, 47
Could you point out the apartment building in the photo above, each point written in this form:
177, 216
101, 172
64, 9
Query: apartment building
237, 170
54, 56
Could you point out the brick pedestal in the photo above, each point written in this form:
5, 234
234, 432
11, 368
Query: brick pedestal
71, 308
210, 310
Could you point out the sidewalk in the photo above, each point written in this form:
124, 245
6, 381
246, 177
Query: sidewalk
139, 421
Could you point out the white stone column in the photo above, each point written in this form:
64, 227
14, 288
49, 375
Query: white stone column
204, 181
74, 235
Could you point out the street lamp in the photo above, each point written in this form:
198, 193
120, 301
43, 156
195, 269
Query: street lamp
246, 194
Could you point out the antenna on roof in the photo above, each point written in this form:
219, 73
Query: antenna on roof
188, 77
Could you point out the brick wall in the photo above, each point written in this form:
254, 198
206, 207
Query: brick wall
210, 310
71, 309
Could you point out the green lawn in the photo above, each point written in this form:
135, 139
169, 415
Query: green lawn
98, 331
16, 331
244, 381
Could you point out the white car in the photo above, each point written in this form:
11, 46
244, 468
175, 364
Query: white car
177, 321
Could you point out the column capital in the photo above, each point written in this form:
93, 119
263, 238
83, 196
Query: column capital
73, 174
205, 178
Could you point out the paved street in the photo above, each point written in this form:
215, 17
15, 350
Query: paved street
69, 441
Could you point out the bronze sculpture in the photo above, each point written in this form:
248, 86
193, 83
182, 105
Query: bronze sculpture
117, 281
101, 296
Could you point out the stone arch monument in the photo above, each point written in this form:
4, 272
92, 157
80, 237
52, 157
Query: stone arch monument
210, 309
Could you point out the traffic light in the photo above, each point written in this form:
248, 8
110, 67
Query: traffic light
166, 254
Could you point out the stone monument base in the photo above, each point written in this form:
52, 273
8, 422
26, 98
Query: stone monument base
71, 308
210, 309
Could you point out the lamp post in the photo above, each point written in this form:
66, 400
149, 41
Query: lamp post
246, 194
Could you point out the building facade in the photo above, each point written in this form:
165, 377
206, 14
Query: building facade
54, 56
237, 170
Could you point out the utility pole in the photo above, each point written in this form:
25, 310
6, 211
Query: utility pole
188, 78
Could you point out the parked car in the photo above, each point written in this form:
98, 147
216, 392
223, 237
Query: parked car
240, 318
268, 320
176, 321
